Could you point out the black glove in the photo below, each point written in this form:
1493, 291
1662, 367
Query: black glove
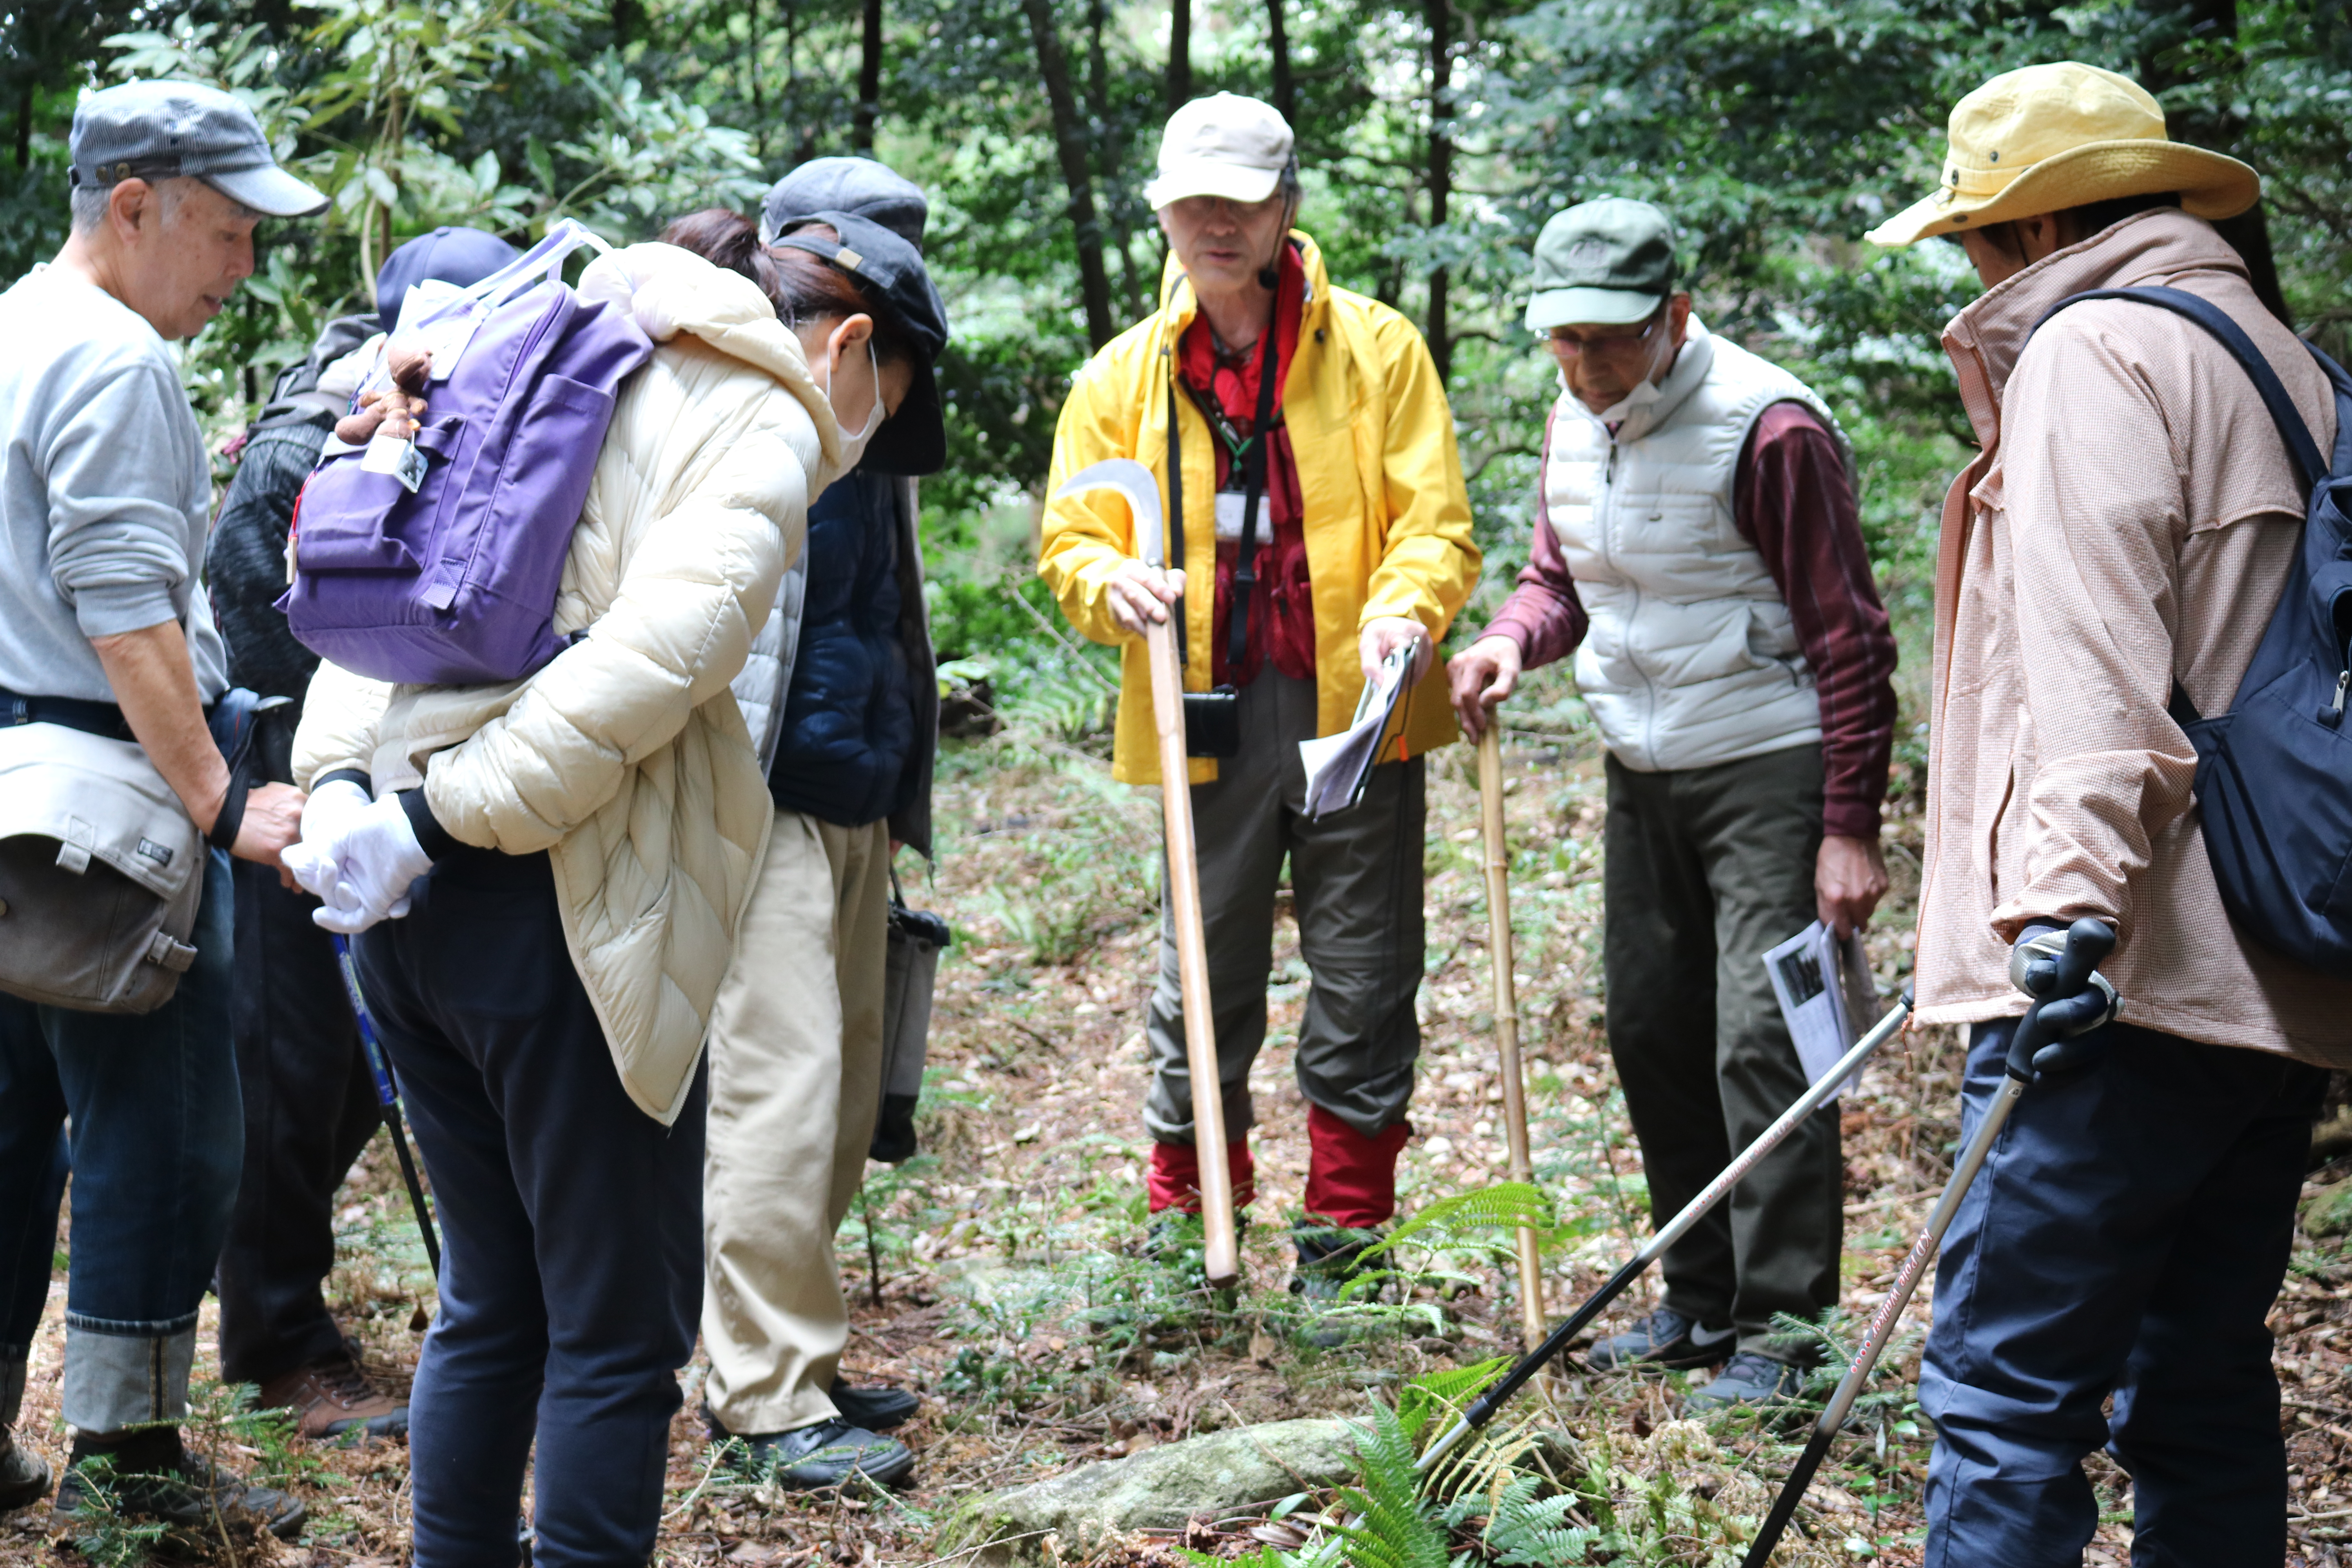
2080, 1024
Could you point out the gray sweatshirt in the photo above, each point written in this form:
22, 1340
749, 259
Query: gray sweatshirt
105, 495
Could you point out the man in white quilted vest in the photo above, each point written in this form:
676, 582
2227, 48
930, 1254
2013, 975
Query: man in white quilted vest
1698, 551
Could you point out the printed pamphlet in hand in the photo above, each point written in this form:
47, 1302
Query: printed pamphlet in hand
1340, 766
1826, 995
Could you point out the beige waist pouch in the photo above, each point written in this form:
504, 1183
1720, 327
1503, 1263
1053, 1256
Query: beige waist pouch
100, 873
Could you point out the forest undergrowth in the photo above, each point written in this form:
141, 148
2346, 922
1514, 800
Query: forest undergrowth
997, 1275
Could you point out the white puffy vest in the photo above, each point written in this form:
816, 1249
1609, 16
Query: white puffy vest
1692, 658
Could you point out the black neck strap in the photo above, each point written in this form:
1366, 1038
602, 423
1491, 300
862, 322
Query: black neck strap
1254, 492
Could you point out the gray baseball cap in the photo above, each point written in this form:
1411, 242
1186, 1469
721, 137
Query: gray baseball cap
858, 185
1606, 263
164, 129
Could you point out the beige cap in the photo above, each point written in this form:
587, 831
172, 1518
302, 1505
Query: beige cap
1225, 145
2048, 137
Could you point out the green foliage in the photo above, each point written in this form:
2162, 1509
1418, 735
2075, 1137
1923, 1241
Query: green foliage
1506, 1205
1398, 1527
1443, 1393
102, 1532
1527, 1530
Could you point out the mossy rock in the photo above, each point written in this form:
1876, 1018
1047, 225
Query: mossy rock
2329, 1211
1161, 1488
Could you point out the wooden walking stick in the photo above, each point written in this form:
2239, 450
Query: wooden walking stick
1506, 1019
1222, 1254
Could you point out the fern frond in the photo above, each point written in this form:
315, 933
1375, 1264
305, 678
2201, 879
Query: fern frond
1394, 1526
1529, 1531
1507, 1204
1423, 1397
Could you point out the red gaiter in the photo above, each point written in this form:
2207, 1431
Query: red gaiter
1174, 1178
1351, 1179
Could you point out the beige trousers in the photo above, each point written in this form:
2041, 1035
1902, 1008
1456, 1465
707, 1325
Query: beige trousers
795, 1081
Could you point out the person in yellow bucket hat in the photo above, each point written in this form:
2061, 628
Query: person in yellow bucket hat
2114, 551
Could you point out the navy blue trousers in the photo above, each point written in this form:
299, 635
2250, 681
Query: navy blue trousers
156, 1133
572, 1229
2127, 1238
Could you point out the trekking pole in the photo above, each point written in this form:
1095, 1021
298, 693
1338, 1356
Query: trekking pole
2057, 1012
1482, 1409
1221, 1252
389, 1099
1506, 1020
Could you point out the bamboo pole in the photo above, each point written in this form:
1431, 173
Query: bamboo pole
1506, 1018
1221, 1257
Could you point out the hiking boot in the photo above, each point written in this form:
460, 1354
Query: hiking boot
1329, 1261
829, 1453
333, 1398
23, 1475
1664, 1339
876, 1408
151, 1476
1748, 1379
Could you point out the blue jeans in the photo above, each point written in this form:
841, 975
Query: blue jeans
158, 1132
2125, 1237
572, 1229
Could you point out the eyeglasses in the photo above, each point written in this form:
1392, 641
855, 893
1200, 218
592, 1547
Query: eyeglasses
1605, 342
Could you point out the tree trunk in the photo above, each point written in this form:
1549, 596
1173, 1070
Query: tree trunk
1441, 169
1114, 152
1285, 97
24, 125
1070, 145
1179, 53
759, 109
869, 81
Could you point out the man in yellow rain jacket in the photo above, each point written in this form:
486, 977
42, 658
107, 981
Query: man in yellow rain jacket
1313, 420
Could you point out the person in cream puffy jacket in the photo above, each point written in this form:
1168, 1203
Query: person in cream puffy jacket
591, 832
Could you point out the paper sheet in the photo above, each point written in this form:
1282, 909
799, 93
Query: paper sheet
1826, 995
1339, 766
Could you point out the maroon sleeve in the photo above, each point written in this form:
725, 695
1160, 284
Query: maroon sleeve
1794, 501
1543, 615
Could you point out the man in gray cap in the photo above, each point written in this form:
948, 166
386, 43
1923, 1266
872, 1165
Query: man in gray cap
1697, 550
105, 496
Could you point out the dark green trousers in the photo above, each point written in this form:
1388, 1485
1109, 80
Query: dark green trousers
1706, 868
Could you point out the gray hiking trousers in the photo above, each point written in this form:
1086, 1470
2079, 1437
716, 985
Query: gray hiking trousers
1354, 880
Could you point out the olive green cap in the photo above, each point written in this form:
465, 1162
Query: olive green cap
1605, 263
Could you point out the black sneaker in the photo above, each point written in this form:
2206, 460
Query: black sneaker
1663, 1339
151, 1476
876, 1408
1748, 1379
829, 1453
23, 1475
1330, 1260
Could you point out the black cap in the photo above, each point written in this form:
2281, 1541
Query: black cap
858, 185
459, 256
913, 440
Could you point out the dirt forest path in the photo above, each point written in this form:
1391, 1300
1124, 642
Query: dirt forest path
1009, 1297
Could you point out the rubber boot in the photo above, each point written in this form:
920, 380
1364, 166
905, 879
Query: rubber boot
23, 1475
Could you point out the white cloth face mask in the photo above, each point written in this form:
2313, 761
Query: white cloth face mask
853, 447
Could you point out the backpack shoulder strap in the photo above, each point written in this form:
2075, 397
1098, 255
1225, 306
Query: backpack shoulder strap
2216, 320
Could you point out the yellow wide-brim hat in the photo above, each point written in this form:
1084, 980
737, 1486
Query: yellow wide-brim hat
2050, 137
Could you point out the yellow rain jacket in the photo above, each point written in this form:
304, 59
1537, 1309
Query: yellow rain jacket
1386, 517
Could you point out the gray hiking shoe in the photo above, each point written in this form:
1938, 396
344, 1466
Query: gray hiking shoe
1329, 1262
23, 1475
1662, 1341
152, 1476
1748, 1379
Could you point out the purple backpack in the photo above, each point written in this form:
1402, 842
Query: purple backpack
455, 583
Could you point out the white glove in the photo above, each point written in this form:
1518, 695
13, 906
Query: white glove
329, 810
375, 858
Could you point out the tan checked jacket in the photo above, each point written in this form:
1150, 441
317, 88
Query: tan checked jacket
2131, 518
